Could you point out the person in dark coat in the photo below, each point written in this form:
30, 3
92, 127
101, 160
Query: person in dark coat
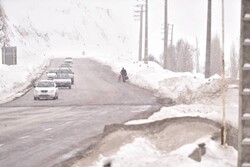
123, 71
123, 75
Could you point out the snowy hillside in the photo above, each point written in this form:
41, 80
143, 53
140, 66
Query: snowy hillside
47, 29
70, 26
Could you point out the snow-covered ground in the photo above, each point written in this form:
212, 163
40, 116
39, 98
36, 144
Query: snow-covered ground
195, 97
70, 28
142, 152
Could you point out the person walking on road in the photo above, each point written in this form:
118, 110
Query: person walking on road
123, 75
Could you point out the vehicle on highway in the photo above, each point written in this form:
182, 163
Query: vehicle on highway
62, 80
51, 73
65, 65
67, 71
68, 60
46, 89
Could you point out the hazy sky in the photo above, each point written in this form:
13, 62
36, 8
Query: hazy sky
190, 20
188, 17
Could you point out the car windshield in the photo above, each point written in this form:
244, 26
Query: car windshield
59, 76
45, 84
64, 65
64, 71
53, 71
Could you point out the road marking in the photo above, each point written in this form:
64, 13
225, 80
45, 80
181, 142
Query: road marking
24, 137
1, 145
48, 129
49, 139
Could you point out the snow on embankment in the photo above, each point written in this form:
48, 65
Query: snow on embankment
141, 152
179, 87
187, 88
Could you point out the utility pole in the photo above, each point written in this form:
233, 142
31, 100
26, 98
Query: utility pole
165, 36
146, 33
197, 56
223, 127
169, 50
208, 45
141, 30
171, 33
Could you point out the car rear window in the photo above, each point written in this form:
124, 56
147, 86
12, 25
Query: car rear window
64, 71
59, 76
45, 84
53, 71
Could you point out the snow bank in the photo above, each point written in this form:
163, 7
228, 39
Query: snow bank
212, 112
188, 89
17, 79
142, 152
180, 87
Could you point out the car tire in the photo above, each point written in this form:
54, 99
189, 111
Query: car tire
56, 97
72, 81
35, 98
69, 87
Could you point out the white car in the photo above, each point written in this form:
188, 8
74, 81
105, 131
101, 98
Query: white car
68, 60
46, 89
52, 73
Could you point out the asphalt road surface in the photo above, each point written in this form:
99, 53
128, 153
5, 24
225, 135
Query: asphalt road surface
44, 133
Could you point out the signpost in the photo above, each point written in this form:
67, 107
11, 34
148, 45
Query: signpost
9, 55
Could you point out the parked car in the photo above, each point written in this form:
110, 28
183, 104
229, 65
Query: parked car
51, 73
67, 71
65, 65
68, 60
45, 89
62, 80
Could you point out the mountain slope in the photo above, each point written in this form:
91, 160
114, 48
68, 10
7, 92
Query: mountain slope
47, 29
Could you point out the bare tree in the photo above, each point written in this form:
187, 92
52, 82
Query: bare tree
184, 56
216, 59
234, 61
4, 40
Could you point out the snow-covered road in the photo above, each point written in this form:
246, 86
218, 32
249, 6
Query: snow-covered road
47, 132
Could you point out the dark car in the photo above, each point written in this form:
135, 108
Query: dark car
67, 71
65, 65
62, 80
68, 60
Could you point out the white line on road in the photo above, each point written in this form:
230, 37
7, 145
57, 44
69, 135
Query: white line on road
69, 122
49, 139
1, 145
24, 137
48, 129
